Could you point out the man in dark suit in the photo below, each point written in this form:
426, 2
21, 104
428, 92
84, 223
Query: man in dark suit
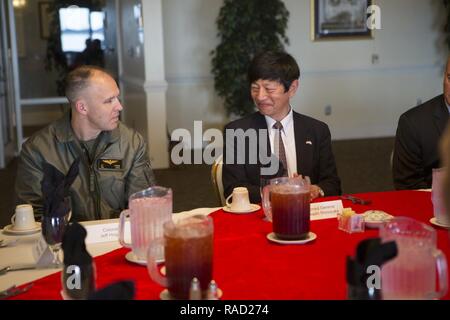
301, 145
416, 143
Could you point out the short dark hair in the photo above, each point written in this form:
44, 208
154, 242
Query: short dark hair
276, 66
78, 79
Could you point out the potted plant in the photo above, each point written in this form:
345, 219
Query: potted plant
244, 29
447, 24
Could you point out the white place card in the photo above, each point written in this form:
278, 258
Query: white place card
326, 210
42, 253
105, 231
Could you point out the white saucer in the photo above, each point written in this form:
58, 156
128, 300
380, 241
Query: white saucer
253, 208
311, 236
10, 230
165, 295
436, 223
376, 218
130, 256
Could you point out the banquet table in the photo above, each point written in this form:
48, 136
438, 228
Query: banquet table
247, 266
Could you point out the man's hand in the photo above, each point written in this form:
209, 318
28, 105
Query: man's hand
315, 192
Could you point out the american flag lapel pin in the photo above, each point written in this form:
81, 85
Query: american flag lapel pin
308, 142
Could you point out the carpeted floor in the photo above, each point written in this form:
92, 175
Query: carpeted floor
363, 166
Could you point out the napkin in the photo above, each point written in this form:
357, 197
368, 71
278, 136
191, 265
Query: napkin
55, 189
370, 252
74, 247
79, 271
122, 290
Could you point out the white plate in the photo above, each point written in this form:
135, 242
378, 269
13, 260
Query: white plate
130, 256
376, 218
10, 230
436, 223
165, 295
311, 236
253, 208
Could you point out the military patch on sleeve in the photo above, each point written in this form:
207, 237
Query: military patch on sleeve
110, 164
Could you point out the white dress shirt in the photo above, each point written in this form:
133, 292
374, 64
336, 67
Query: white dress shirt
288, 137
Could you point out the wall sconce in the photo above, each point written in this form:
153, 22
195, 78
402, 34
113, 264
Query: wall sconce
18, 4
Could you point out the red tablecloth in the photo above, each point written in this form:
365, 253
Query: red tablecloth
248, 266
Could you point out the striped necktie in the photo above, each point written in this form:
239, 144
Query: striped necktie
279, 147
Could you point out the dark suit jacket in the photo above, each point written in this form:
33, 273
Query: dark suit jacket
416, 145
314, 159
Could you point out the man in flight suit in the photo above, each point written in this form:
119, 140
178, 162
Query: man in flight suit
114, 162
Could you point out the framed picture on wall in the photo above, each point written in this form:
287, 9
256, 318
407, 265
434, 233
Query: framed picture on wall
44, 19
334, 19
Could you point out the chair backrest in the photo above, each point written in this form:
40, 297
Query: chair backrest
216, 178
391, 159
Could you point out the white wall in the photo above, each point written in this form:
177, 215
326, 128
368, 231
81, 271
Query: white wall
366, 99
189, 36
133, 56
133, 73
143, 76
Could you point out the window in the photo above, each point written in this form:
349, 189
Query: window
96, 19
78, 25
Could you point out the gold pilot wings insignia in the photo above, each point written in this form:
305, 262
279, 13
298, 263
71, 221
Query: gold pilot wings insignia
110, 164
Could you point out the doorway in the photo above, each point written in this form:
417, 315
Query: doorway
8, 137
51, 38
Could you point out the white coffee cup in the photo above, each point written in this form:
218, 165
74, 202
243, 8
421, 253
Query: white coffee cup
23, 218
241, 201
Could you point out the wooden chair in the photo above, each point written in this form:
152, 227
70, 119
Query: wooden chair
216, 178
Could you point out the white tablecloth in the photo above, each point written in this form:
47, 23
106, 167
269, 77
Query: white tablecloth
21, 252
